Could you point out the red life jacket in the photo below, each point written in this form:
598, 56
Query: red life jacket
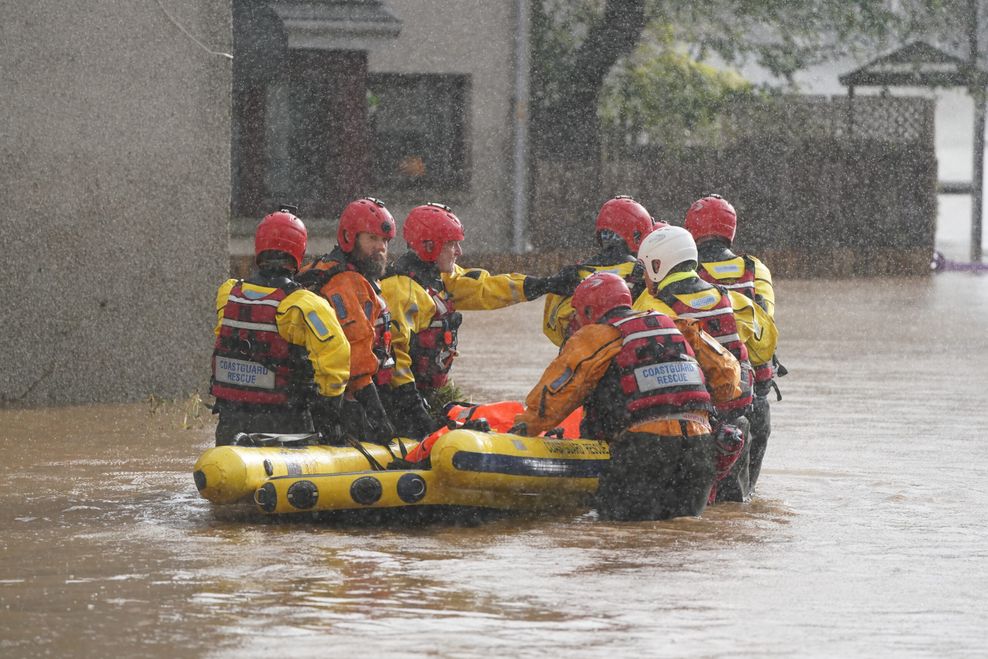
764, 372
654, 375
432, 350
324, 269
719, 322
252, 362
745, 284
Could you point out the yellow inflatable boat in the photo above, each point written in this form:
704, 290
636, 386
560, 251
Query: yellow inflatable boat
468, 469
230, 474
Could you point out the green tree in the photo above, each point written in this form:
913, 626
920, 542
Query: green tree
574, 47
661, 94
631, 60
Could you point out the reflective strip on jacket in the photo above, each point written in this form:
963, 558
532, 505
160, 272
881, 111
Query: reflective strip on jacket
306, 320
737, 274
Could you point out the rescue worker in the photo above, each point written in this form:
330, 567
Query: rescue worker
425, 290
348, 279
713, 222
280, 355
621, 225
647, 383
669, 257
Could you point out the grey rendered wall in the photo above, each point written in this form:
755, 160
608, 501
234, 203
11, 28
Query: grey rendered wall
115, 187
477, 38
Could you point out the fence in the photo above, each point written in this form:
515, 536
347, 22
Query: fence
823, 187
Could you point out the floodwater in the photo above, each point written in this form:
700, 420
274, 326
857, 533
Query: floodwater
868, 535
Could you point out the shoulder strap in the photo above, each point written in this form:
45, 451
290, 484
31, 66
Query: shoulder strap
281, 282
749, 263
689, 286
315, 277
667, 296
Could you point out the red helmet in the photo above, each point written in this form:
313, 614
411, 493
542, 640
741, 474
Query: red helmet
282, 232
711, 216
627, 218
596, 295
367, 215
427, 228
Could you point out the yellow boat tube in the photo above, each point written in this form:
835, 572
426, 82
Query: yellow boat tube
470, 459
469, 468
347, 491
228, 474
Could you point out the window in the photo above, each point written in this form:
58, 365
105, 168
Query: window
316, 130
301, 134
418, 130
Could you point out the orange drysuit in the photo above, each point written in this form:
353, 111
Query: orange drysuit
363, 315
584, 359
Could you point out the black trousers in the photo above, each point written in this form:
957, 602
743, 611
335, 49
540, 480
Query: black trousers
407, 409
235, 419
761, 428
652, 477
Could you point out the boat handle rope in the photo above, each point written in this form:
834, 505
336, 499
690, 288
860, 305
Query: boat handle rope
375, 465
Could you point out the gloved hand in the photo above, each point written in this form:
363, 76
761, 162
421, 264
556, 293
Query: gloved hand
377, 426
562, 283
636, 280
326, 418
520, 428
352, 419
565, 281
411, 412
481, 424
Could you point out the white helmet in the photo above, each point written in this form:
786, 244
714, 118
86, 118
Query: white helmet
664, 249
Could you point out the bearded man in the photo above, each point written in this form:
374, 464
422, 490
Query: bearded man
348, 278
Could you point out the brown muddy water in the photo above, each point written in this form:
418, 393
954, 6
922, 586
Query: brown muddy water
867, 536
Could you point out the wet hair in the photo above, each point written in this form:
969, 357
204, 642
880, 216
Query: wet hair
685, 266
273, 259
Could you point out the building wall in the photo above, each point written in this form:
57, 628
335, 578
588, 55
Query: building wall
115, 181
477, 39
